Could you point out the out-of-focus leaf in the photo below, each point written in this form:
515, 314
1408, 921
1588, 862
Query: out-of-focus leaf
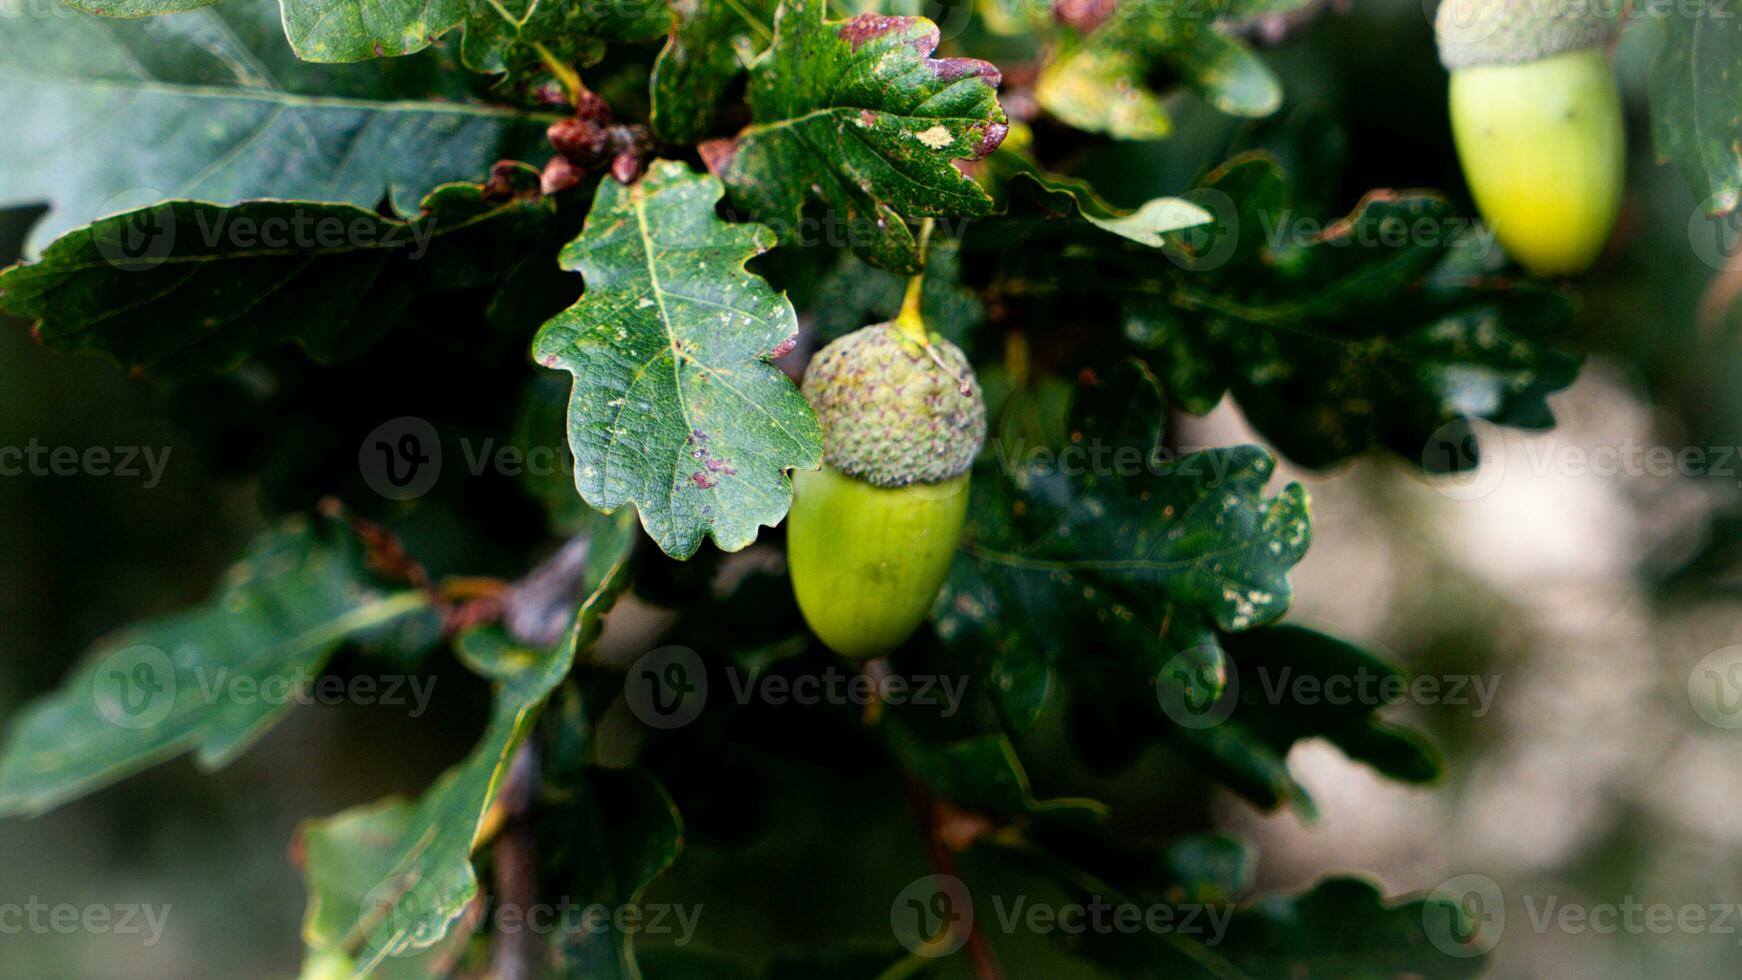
676, 407
341, 857
1108, 533
856, 294
515, 35
856, 114
210, 680
1152, 224
415, 883
1101, 84
1696, 106
1247, 739
981, 772
1366, 331
110, 115
404, 873
184, 288
712, 41
624, 832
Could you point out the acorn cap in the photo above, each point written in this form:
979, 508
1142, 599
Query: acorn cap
1516, 32
894, 411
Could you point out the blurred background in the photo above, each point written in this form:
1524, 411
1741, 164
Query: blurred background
1595, 600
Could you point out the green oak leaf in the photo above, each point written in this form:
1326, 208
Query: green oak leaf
342, 858
620, 830
857, 294
137, 8
981, 772
1100, 84
857, 115
109, 115
712, 42
179, 683
1110, 533
1154, 223
676, 407
1375, 329
185, 288
1247, 746
1696, 107
387, 882
421, 880
500, 35
518, 35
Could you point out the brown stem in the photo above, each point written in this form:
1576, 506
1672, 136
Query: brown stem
516, 954
932, 816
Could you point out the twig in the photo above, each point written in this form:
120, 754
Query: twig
539, 608
933, 818
516, 954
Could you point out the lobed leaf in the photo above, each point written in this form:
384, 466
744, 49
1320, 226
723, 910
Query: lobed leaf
676, 407
857, 115
1696, 108
184, 288
109, 115
210, 680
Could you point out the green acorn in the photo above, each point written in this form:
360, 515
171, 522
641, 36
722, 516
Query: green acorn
872, 534
1537, 119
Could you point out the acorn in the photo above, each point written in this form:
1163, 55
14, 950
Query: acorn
1537, 119
871, 535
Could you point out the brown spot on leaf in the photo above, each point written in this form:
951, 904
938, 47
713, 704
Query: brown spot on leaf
866, 27
717, 155
702, 480
953, 69
991, 136
785, 347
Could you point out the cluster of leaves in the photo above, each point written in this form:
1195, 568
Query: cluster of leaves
1092, 601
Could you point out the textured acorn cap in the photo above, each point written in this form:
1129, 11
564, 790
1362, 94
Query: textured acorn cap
1516, 32
894, 411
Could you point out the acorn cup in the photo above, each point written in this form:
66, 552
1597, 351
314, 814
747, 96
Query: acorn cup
871, 535
1537, 119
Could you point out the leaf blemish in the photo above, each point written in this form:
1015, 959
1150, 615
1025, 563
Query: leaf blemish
868, 27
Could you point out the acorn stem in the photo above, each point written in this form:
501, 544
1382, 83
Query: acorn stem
911, 320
